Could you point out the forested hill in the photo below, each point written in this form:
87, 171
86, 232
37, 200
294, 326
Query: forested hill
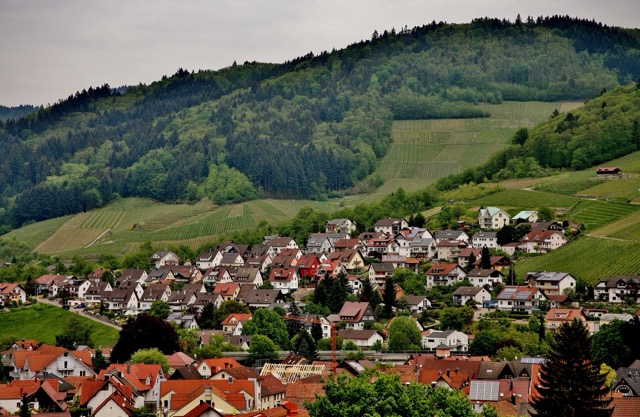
8, 113
304, 128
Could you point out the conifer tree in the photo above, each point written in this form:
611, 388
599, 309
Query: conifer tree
388, 297
570, 381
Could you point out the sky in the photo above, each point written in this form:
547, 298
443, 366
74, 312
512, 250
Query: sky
50, 49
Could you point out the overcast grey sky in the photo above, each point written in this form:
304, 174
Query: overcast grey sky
52, 48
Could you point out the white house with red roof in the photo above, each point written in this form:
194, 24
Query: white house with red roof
55, 360
557, 316
542, 242
228, 291
233, 323
284, 279
12, 292
444, 274
356, 314
143, 378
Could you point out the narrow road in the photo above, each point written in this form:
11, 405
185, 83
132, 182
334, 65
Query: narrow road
79, 312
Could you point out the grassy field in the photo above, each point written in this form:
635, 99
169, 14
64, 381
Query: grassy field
127, 223
425, 150
588, 258
43, 322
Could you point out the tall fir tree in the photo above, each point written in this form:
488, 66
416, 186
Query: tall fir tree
294, 326
388, 297
485, 258
367, 290
570, 381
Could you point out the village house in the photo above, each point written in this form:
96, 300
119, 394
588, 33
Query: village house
355, 315
379, 271
123, 300
449, 250
417, 303
476, 295
153, 293
608, 171
208, 258
520, 299
617, 289
308, 266
558, 316
482, 238
390, 226
467, 255
542, 242
164, 258
480, 277
527, 216
133, 275
422, 247
278, 244
552, 283
284, 279
444, 274
381, 245
228, 291
493, 218
449, 234
351, 259
259, 298
364, 339
233, 323
318, 243
340, 225
47, 359
455, 340
12, 293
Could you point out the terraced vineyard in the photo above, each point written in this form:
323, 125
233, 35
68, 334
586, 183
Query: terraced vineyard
425, 150
588, 259
594, 214
627, 228
526, 199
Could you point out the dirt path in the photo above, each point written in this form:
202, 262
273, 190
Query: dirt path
80, 312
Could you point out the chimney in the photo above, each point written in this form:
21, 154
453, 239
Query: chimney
448, 372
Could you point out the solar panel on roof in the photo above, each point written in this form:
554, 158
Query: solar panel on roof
522, 295
532, 360
484, 390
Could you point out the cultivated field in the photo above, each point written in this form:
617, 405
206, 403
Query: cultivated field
425, 150
127, 223
526, 199
588, 258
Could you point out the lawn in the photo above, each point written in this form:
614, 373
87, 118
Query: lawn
43, 322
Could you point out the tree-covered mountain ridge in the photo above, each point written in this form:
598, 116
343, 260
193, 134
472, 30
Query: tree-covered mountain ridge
305, 128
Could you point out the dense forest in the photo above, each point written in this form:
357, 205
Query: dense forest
8, 113
309, 127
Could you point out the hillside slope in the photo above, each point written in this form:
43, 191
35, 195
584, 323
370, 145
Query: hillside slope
306, 128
